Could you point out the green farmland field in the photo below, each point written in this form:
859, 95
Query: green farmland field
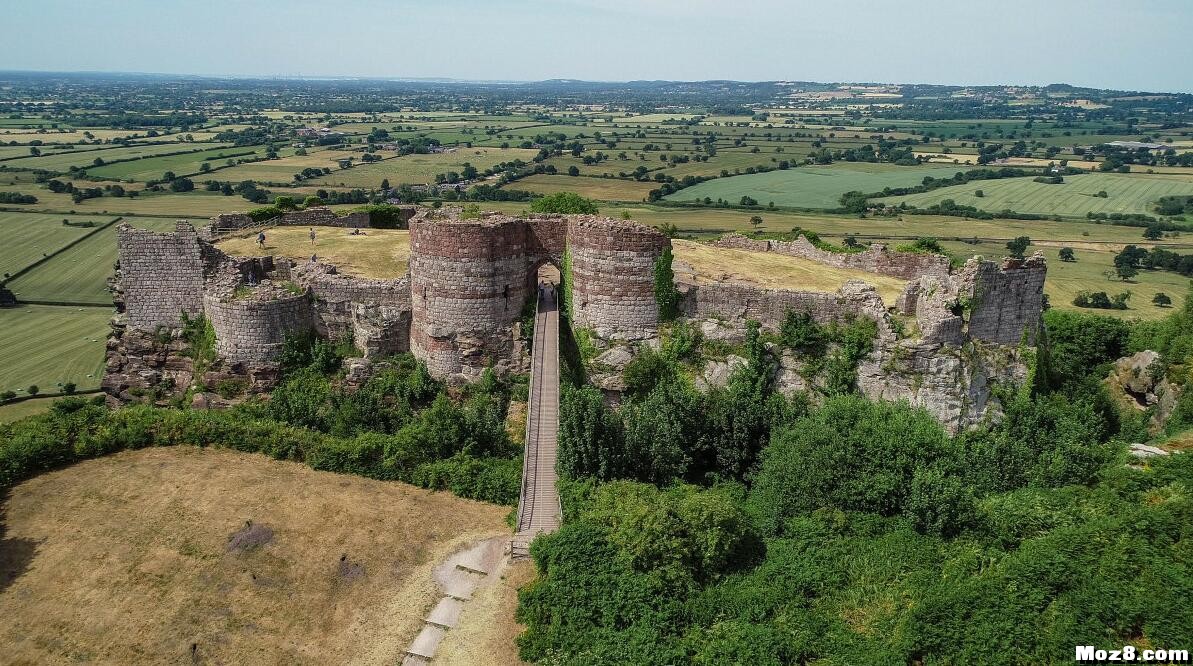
188, 163
62, 161
79, 274
45, 345
30, 236
1126, 193
421, 169
810, 187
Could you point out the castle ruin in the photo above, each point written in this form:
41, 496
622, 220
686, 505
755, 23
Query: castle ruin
947, 341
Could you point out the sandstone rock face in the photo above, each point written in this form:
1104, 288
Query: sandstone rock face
967, 335
1138, 382
616, 358
718, 373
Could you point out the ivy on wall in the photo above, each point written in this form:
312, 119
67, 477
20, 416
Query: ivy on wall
665, 292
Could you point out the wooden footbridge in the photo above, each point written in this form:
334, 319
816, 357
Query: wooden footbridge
539, 509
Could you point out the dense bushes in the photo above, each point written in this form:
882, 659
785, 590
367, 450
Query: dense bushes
866, 534
399, 425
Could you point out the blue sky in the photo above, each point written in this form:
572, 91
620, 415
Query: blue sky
1127, 44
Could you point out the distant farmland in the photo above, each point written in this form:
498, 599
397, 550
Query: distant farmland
811, 187
1125, 193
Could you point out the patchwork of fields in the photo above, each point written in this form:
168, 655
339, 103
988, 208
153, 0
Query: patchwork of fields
1125, 193
810, 187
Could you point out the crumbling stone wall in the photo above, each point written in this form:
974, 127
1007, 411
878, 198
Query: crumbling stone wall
737, 303
1007, 301
612, 267
875, 259
252, 329
316, 216
336, 296
161, 275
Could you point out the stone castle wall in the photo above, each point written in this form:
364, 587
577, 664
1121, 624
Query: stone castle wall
336, 296
737, 303
252, 330
1006, 301
612, 270
316, 216
161, 275
876, 259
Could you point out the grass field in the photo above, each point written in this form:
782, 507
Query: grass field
702, 221
153, 167
1126, 193
776, 271
282, 170
30, 236
196, 204
62, 161
130, 558
381, 253
810, 187
603, 189
422, 169
46, 345
15, 411
80, 273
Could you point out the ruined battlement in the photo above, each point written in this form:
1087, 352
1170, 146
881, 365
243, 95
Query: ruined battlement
875, 259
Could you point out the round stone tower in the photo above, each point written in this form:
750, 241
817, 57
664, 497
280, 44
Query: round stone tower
612, 268
468, 282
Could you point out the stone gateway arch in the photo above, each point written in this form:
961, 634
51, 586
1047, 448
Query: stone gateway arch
469, 281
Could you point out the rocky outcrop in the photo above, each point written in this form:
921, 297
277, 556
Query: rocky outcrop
1138, 383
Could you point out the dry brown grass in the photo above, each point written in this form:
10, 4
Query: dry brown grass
126, 559
378, 253
775, 271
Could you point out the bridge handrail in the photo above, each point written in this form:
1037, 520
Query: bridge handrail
529, 420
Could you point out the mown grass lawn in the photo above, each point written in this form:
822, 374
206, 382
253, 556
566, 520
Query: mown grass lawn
810, 187
1126, 193
48, 345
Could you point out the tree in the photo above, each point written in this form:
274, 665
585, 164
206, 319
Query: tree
33, 390
1153, 232
1162, 300
35, 151
384, 183
756, 221
573, 171
1017, 247
1066, 254
1126, 271
748, 201
564, 202
205, 167
979, 194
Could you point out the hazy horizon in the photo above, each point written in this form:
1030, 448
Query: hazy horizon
1109, 44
